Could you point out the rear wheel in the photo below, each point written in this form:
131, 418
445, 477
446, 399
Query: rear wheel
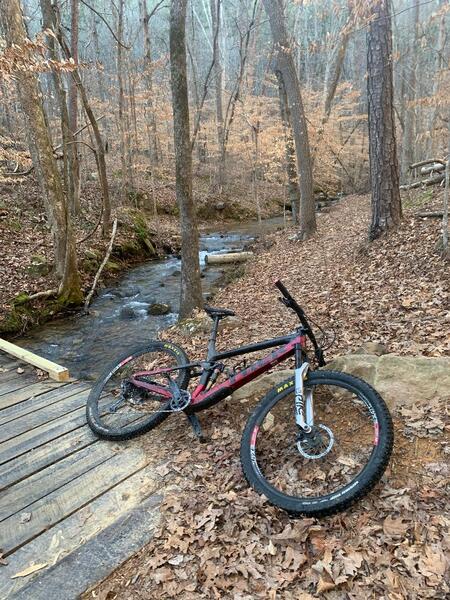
117, 409
338, 462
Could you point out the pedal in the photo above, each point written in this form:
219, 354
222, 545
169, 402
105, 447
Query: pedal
193, 420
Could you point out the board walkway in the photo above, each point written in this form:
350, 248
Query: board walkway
72, 507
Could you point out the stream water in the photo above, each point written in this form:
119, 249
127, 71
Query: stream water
119, 319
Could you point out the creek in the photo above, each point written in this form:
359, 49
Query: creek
119, 317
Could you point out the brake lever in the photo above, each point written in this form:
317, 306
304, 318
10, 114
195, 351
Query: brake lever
285, 301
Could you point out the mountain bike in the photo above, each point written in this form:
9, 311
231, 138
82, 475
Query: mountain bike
316, 443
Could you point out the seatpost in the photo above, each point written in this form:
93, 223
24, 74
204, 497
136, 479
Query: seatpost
212, 338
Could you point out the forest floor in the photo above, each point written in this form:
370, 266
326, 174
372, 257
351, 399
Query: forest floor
217, 538
26, 266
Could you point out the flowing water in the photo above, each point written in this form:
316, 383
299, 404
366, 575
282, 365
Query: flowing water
119, 316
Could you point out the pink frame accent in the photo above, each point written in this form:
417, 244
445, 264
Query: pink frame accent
199, 395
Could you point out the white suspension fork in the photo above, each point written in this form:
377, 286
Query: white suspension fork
300, 376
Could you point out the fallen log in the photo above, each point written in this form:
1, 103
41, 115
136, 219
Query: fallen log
434, 168
433, 180
232, 257
428, 161
437, 214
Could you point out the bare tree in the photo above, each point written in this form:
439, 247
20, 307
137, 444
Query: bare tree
291, 167
73, 109
99, 149
191, 291
285, 65
127, 174
151, 119
230, 112
386, 202
31, 103
216, 9
410, 79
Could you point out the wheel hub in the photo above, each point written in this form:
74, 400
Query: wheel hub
316, 443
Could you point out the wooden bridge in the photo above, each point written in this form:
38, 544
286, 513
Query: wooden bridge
72, 507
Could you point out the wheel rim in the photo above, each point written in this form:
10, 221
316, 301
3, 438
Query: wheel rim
338, 459
123, 405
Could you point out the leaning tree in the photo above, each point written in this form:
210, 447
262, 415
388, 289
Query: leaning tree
288, 78
43, 157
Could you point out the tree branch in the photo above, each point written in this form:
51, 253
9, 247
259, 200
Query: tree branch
106, 23
101, 267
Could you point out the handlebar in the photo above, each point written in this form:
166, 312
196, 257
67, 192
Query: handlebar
290, 302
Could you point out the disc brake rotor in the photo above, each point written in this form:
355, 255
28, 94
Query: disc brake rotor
317, 443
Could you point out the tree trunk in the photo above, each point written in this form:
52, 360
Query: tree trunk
286, 66
216, 6
151, 119
409, 150
386, 203
446, 197
73, 111
31, 102
100, 147
191, 291
100, 74
123, 112
334, 73
437, 78
70, 152
291, 167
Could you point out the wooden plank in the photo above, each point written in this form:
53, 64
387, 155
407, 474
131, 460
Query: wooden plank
16, 383
44, 415
40, 435
26, 393
72, 536
46, 399
77, 493
39, 458
18, 497
55, 371
8, 374
7, 362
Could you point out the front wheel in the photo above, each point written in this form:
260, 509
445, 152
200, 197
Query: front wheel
338, 462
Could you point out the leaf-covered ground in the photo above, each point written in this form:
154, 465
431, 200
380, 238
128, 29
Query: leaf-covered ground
217, 538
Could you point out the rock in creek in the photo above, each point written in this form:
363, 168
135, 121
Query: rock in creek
159, 308
128, 313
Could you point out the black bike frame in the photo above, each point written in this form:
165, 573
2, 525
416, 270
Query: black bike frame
203, 398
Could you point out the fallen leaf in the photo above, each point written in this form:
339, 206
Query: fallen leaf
395, 527
324, 586
29, 570
25, 517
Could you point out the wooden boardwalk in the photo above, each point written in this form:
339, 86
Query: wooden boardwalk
72, 507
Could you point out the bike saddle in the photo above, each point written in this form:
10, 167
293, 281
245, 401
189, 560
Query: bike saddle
218, 312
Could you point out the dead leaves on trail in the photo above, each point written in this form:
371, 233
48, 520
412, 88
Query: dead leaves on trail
220, 540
